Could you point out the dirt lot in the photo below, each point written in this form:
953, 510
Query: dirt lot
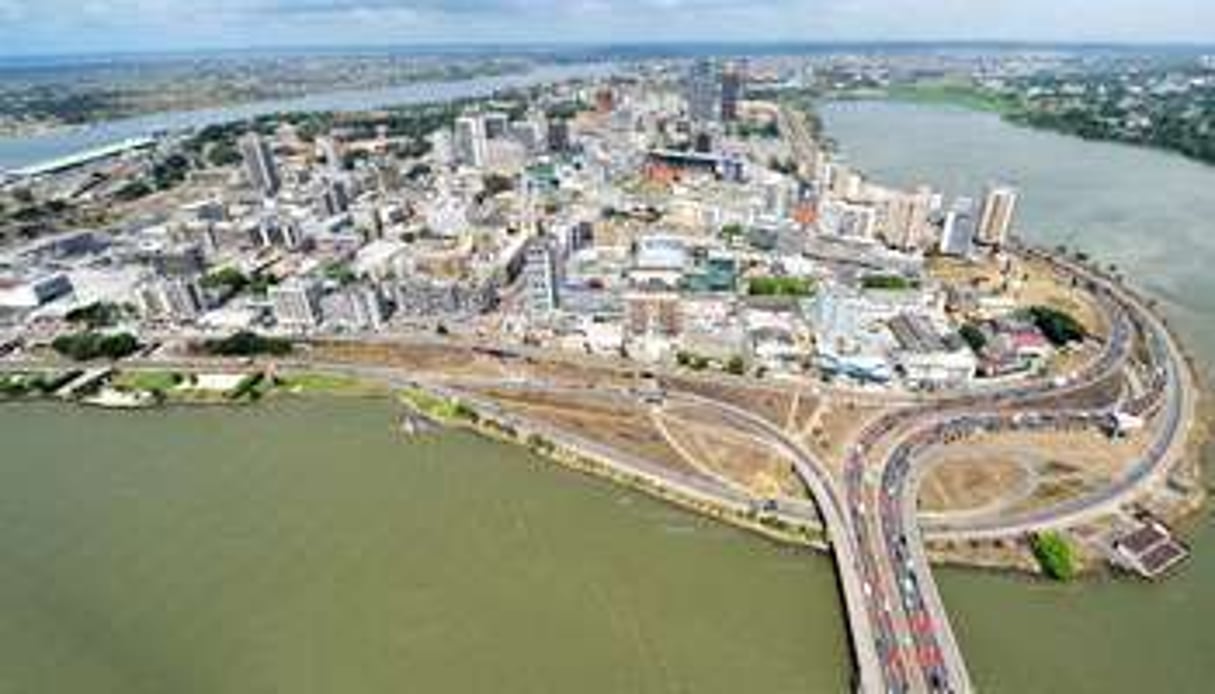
992, 468
967, 485
731, 455
626, 428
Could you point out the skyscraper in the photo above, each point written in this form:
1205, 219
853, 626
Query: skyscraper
703, 91
558, 135
731, 92
469, 143
958, 237
496, 124
259, 164
540, 278
995, 224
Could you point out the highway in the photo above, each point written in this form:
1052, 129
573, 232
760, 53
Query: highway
915, 628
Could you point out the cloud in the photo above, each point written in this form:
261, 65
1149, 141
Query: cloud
45, 26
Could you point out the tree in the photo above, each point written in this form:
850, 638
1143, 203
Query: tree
780, 286
1054, 555
974, 337
1058, 327
736, 366
86, 346
100, 314
247, 344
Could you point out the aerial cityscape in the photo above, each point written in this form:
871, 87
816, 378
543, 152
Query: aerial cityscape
873, 366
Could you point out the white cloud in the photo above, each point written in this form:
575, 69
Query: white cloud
32, 26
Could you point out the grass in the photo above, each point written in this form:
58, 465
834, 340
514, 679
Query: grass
952, 93
163, 381
328, 384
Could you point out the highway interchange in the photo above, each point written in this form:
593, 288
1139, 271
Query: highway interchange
900, 633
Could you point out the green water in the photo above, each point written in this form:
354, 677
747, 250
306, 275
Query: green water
1152, 214
303, 547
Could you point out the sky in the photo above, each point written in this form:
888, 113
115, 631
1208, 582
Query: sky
34, 27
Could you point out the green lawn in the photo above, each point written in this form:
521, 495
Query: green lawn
163, 381
328, 384
953, 93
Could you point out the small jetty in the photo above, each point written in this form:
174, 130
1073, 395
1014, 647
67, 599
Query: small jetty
1148, 548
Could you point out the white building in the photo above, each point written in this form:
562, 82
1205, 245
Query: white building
995, 224
259, 164
958, 236
296, 304
172, 300
32, 293
540, 279
355, 308
469, 143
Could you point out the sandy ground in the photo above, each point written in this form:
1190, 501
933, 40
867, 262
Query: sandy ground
1014, 472
745, 462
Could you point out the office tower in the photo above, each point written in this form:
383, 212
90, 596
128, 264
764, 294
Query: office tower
468, 144
169, 299
995, 224
703, 92
296, 303
908, 224
330, 150
335, 200
496, 125
274, 231
958, 237
259, 165
540, 278
528, 134
558, 135
731, 92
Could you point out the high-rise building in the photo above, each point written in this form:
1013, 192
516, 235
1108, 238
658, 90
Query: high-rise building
540, 278
995, 224
908, 222
259, 165
335, 200
731, 92
330, 149
169, 299
296, 304
496, 125
703, 92
275, 231
558, 135
958, 236
469, 141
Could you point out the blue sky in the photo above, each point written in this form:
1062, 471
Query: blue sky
57, 26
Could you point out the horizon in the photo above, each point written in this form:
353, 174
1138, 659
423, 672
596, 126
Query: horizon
140, 27
646, 48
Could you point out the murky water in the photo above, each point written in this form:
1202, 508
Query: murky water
1152, 214
303, 547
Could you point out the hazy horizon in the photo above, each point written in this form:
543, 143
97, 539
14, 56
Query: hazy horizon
71, 27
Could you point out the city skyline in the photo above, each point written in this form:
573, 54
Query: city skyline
101, 26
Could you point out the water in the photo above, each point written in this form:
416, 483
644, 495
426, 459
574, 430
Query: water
1152, 214
18, 152
303, 547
